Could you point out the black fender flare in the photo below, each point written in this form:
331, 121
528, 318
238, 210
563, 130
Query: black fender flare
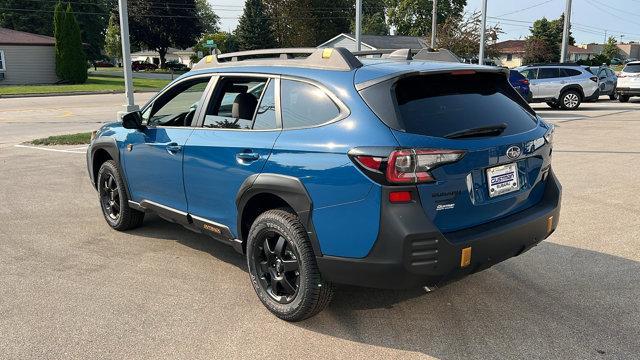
575, 87
109, 145
288, 188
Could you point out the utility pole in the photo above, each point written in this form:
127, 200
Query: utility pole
358, 24
482, 33
434, 23
126, 57
565, 32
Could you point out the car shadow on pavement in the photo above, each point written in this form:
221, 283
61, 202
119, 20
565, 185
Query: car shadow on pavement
554, 301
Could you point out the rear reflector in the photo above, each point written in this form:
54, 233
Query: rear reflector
465, 257
400, 196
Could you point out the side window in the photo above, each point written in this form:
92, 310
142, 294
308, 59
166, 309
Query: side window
548, 73
178, 106
266, 113
569, 72
234, 103
305, 105
530, 73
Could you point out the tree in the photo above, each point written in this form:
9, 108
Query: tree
159, 24
207, 16
610, 49
254, 29
71, 63
413, 17
373, 19
546, 39
461, 35
225, 43
112, 41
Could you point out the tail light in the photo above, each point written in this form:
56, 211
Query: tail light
524, 81
594, 78
407, 166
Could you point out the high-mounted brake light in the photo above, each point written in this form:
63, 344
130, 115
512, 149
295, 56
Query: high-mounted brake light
463, 72
411, 166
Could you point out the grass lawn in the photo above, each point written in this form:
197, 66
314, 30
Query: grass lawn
71, 139
94, 83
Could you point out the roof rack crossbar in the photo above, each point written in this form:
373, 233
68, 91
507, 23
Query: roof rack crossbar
323, 58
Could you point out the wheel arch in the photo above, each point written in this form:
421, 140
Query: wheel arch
575, 87
261, 192
104, 149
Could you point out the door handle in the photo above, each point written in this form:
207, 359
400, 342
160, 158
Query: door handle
173, 148
247, 156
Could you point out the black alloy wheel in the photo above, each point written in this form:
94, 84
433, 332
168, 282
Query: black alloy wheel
277, 265
110, 197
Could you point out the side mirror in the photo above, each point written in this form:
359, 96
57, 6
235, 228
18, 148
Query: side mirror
132, 120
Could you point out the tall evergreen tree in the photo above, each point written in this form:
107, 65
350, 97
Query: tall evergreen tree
58, 27
112, 41
254, 29
71, 63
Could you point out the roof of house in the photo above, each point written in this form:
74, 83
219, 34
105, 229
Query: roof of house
509, 46
13, 37
385, 41
578, 50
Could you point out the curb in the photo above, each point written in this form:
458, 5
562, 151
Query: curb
72, 93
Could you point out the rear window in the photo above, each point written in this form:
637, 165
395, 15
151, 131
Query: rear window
632, 68
442, 104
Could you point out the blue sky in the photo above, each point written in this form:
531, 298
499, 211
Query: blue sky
590, 18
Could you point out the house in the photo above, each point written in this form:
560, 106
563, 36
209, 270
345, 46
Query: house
376, 42
26, 58
173, 55
629, 50
512, 52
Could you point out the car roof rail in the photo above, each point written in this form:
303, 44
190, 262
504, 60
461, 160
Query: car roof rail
555, 64
424, 54
321, 58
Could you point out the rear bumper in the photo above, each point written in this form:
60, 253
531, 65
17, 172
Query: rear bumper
411, 252
628, 91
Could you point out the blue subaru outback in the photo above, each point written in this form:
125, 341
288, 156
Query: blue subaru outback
322, 167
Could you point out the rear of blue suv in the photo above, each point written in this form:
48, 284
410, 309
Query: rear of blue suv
380, 173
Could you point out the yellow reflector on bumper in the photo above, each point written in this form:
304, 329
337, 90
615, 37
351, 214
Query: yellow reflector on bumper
326, 53
465, 257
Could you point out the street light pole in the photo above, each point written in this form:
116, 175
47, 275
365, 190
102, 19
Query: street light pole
358, 24
565, 32
434, 23
126, 57
482, 32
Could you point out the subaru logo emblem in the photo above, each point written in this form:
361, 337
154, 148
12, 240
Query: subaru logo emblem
513, 152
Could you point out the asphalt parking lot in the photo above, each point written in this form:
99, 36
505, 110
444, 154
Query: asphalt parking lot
70, 287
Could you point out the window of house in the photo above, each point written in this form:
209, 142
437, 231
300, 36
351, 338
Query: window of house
305, 105
509, 57
2, 61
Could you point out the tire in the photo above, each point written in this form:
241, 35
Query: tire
623, 98
570, 100
114, 201
613, 96
552, 105
277, 241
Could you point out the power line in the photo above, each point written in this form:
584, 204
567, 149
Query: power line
527, 8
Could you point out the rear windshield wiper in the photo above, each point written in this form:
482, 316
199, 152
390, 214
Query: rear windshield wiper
491, 130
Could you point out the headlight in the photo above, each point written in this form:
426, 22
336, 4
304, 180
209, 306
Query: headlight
549, 134
93, 134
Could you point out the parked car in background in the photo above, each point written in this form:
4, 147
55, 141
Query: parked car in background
616, 61
142, 66
175, 66
562, 86
607, 80
521, 84
332, 169
629, 81
103, 64
626, 61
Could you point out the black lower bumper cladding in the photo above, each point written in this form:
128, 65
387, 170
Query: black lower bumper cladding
411, 252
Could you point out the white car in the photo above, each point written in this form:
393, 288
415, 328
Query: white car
629, 81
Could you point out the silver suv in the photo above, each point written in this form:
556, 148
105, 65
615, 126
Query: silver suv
561, 86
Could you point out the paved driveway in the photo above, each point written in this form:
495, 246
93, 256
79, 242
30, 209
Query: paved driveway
70, 287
